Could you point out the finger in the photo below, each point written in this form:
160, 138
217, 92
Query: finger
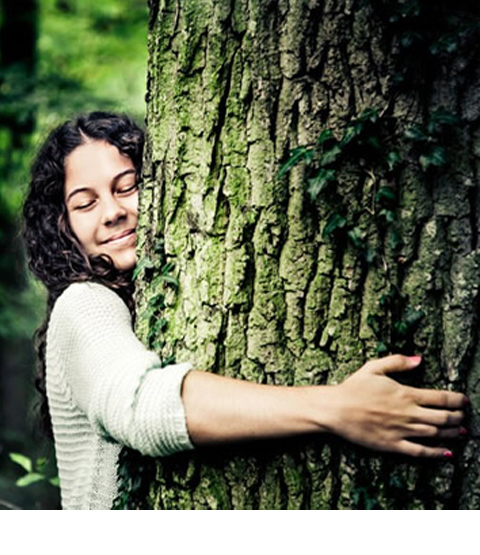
392, 363
424, 430
434, 398
415, 450
436, 417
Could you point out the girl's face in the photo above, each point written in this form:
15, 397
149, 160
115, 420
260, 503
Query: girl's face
101, 195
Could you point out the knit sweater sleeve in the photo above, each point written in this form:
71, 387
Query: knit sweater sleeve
118, 383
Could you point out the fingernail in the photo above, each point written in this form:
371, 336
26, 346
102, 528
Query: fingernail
462, 431
417, 359
448, 454
466, 401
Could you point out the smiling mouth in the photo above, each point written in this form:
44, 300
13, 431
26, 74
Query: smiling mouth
125, 238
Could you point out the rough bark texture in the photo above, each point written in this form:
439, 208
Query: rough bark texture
263, 294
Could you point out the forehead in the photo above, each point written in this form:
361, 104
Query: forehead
94, 163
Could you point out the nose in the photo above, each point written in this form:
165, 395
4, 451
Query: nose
113, 211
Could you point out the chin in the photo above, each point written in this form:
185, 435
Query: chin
126, 262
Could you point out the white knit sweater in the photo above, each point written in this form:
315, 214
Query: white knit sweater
105, 390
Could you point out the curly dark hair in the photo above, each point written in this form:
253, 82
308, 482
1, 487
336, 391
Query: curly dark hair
55, 256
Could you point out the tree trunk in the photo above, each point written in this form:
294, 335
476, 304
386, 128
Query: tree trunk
297, 268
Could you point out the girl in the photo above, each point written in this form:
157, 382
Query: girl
103, 389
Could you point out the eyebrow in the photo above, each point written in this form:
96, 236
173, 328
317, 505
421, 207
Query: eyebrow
113, 182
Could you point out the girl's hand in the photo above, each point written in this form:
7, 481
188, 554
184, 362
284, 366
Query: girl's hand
375, 411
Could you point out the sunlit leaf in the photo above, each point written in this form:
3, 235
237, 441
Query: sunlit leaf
22, 460
142, 265
29, 479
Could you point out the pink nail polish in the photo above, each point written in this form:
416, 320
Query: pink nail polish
466, 402
448, 454
463, 431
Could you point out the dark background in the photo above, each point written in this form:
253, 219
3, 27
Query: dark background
57, 58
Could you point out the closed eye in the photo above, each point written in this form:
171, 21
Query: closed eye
128, 189
84, 206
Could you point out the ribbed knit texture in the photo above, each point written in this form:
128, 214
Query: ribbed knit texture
106, 390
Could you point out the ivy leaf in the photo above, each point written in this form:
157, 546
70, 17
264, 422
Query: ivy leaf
412, 316
370, 114
171, 280
357, 237
436, 156
401, 327
29, 479
351, 132
324, 136
296, 155
394, 239
415, 134
318, 183
381, 348
441, 118
335, 222
389, 215
374, 322
385, 196
393, 158
143, 264
22, 460
370, 255
330, 155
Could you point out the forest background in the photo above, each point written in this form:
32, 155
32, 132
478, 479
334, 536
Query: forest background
58, 58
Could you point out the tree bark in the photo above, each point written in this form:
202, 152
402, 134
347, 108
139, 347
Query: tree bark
271, 287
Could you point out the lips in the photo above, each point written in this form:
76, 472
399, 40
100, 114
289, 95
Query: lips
120, 236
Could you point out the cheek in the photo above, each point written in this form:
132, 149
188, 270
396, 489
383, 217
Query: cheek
82, 228
132, 203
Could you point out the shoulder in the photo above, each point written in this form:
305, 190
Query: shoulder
88, 300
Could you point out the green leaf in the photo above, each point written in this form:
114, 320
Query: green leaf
55, 481
169, 267
436, 156
401, 327
330, 155
324, 136
296, 155
393, 158
318, 183
357, 237
374, 322
394, 239
370, 255
335, 222
385, 196
369, 114
41, 462
29, 479
144, 263
412, 316
352, 131
22, 460
441, 118
171, 280
389, 215
415, 134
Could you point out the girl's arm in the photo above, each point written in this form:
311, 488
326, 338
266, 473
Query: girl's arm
369, 408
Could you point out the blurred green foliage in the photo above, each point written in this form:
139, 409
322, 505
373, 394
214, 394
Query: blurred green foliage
88, 55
